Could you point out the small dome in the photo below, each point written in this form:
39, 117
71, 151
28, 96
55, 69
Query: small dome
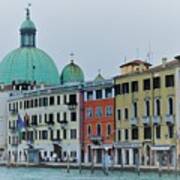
99, 78
72, 73
28, 24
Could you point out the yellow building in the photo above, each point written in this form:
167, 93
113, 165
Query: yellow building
147, 113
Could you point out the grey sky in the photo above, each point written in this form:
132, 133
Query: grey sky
100, 32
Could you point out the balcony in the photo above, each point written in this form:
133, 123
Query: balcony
170, 119
96, 139
134, 121
146, 120
156, 120
13, 129
14, 144
56, 141
30, 143
13, 111
34, 124
50, 123
72, 106
63, 123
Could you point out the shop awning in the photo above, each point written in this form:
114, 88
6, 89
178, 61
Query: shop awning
103, 146
127, 145
161, 147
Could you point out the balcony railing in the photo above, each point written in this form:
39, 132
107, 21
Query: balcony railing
56, 141
14, 144
13, 111
134, 121
146, 120
170, 119
50, 123
96, 139
72, 106
13, 129
156, 120
63, 123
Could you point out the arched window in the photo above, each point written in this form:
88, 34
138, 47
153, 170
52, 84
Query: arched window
89, 130
170, 106
98, 130
135, 109
157, 107
109, 130
147, 108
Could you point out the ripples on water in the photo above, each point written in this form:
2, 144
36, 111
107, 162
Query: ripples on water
61, 174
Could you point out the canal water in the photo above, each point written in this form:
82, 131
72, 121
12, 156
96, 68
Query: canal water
61, 174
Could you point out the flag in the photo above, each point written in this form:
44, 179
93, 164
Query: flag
20, 126
20, 123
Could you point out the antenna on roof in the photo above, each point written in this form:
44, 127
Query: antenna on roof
149, 53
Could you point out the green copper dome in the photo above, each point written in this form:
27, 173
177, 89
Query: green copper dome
99, 78
28, 24
28, 63
72, 73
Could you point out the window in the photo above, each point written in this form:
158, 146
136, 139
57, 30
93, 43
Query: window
64, 134
51, 101
157, 107
147, 108
135, 133
117, 89
147, 84
156, 83
73, 154
89, 95
108, 130
89, 112
171, 131
44, 135
99, 112
125, 88
126, 134
169, 81
170, 106
73, 134
65, 99
126, 114
58, 100
58, 117
98, 94
72, 99
45, 101
119, 114
134, 86
65, 116
109, 111
58, 135
98, 130
147, 132
36, 103
119, 135
135, 110
73, 116
158, 132
89, 130
108, 92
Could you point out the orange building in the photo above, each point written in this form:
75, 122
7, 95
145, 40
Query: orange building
99, 121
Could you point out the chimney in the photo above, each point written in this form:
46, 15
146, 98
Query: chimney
164, 61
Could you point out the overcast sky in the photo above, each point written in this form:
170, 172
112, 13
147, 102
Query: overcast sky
99, 32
